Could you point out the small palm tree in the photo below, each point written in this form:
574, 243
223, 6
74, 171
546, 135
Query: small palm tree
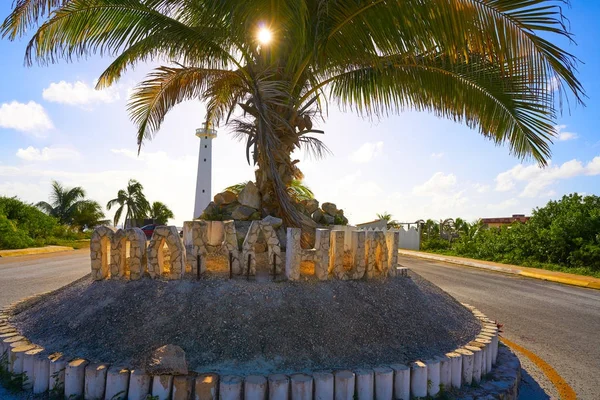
134, 200
160, 213
387, 217
296, 189
70, 206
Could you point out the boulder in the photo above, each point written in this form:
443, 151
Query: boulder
273, 221
167, 360
317, 215
228, 197
330, 208
329, 220
211, 209
242, 213
311, 206
250, 196
255, 216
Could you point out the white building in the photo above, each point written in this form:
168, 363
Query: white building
204, 177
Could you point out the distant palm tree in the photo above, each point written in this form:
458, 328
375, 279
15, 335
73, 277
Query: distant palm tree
134, 199
70, 206
391, 223
160, 213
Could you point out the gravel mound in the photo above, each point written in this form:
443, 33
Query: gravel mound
239, 327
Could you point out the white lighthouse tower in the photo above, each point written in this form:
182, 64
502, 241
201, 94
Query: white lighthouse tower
204, 178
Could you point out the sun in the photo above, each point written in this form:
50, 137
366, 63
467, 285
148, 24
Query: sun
264, 35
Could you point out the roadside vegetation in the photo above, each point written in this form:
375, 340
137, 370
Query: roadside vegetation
562, 236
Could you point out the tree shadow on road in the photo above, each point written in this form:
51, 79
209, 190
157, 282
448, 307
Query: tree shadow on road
530, 389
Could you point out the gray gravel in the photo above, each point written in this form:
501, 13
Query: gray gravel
234, 326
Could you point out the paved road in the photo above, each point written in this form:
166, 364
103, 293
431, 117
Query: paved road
559, 323
28, 275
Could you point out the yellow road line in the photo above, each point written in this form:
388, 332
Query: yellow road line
564, 389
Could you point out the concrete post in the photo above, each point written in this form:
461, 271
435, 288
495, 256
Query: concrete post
28, 367
322, 240
401, 382
161, 386
344, 384
206, 387
445, 373
418, 379
56, 373
17, 357
139, 385
230, 387
456, 369
41, 373
182, 387
95, 381
336, 254
364, 384
255, 387
279, 387
488, 352
477, 359
384, 383
323, 382
117, 383
75, 378
302, 387
467, 365
433, 377
293, 254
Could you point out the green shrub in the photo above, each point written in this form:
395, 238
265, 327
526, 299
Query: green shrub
11, 237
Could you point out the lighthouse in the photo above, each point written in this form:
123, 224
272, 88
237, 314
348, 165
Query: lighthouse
204, 177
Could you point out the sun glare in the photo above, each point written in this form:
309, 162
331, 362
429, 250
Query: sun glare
265, 35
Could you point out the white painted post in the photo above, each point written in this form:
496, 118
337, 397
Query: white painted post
384, 383
364, 384
56, 373
41, 373
117, 383
17, 357
28, 367
182, 387
302, 386
75, 378
255, 387
433, 376
445, 373
488, 352
139, 385
401, 381
344, 385
206, 387
323, 382
477, 359
418, 379
467, 365
95, 381
161, 386
279, 387
456, 369
230, 387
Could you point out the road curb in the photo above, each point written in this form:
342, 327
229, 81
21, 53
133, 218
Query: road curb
566, 279
33, 251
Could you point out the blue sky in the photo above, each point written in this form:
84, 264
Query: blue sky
53, 125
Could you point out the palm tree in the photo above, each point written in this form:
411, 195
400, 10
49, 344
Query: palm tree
479, 62
134, 199
160, 213
70, 206
391, 223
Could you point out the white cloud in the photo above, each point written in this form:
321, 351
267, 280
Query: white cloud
481, 188
30, 118
437, 155
553, 84
128, 153
367, 152
563, 135
503, 205
78, 93
48, 154
439, 183
537, 179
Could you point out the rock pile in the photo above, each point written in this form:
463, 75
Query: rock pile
246, 206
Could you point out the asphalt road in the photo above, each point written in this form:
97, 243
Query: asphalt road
28, 275
561, 324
